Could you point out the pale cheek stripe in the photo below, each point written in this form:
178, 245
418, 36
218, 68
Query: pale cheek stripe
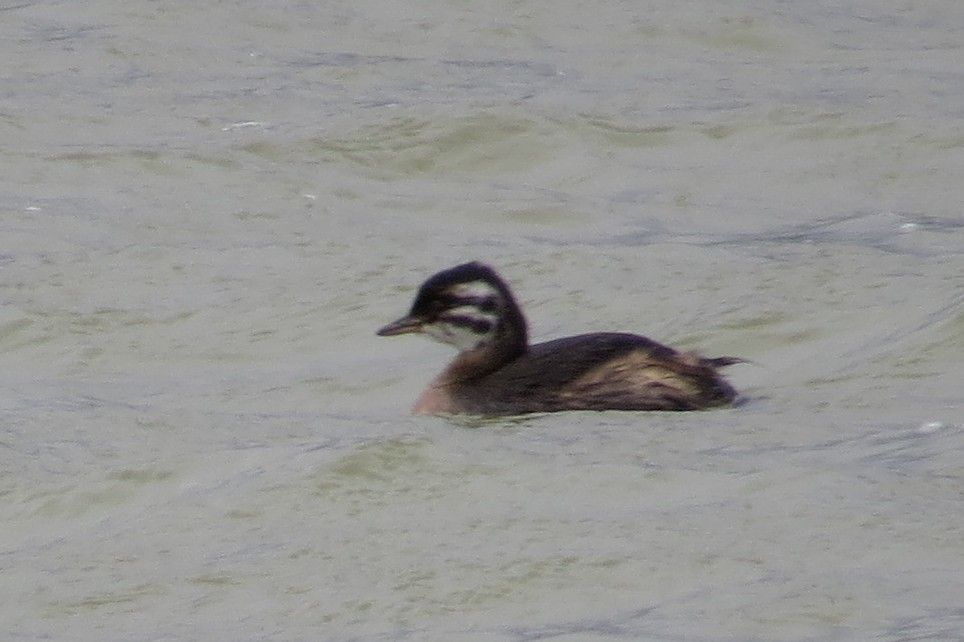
462, 338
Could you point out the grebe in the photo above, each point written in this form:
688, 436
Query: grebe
497, 372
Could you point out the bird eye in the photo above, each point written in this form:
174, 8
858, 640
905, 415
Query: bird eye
488, 304
468, 322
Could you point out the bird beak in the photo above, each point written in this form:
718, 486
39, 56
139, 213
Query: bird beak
405, 325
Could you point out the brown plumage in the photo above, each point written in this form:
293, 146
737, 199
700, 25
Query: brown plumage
497, 373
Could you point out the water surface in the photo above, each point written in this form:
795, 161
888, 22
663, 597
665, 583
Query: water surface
208, 210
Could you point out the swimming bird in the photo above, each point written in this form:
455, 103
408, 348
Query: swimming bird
497, 372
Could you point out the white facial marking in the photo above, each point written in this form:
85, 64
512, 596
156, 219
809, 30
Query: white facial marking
472, 312
474, 290
472, 320
460, 337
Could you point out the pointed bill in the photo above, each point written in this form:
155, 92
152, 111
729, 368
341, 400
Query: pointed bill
405, 325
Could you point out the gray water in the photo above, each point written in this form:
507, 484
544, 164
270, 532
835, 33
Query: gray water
208, 209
